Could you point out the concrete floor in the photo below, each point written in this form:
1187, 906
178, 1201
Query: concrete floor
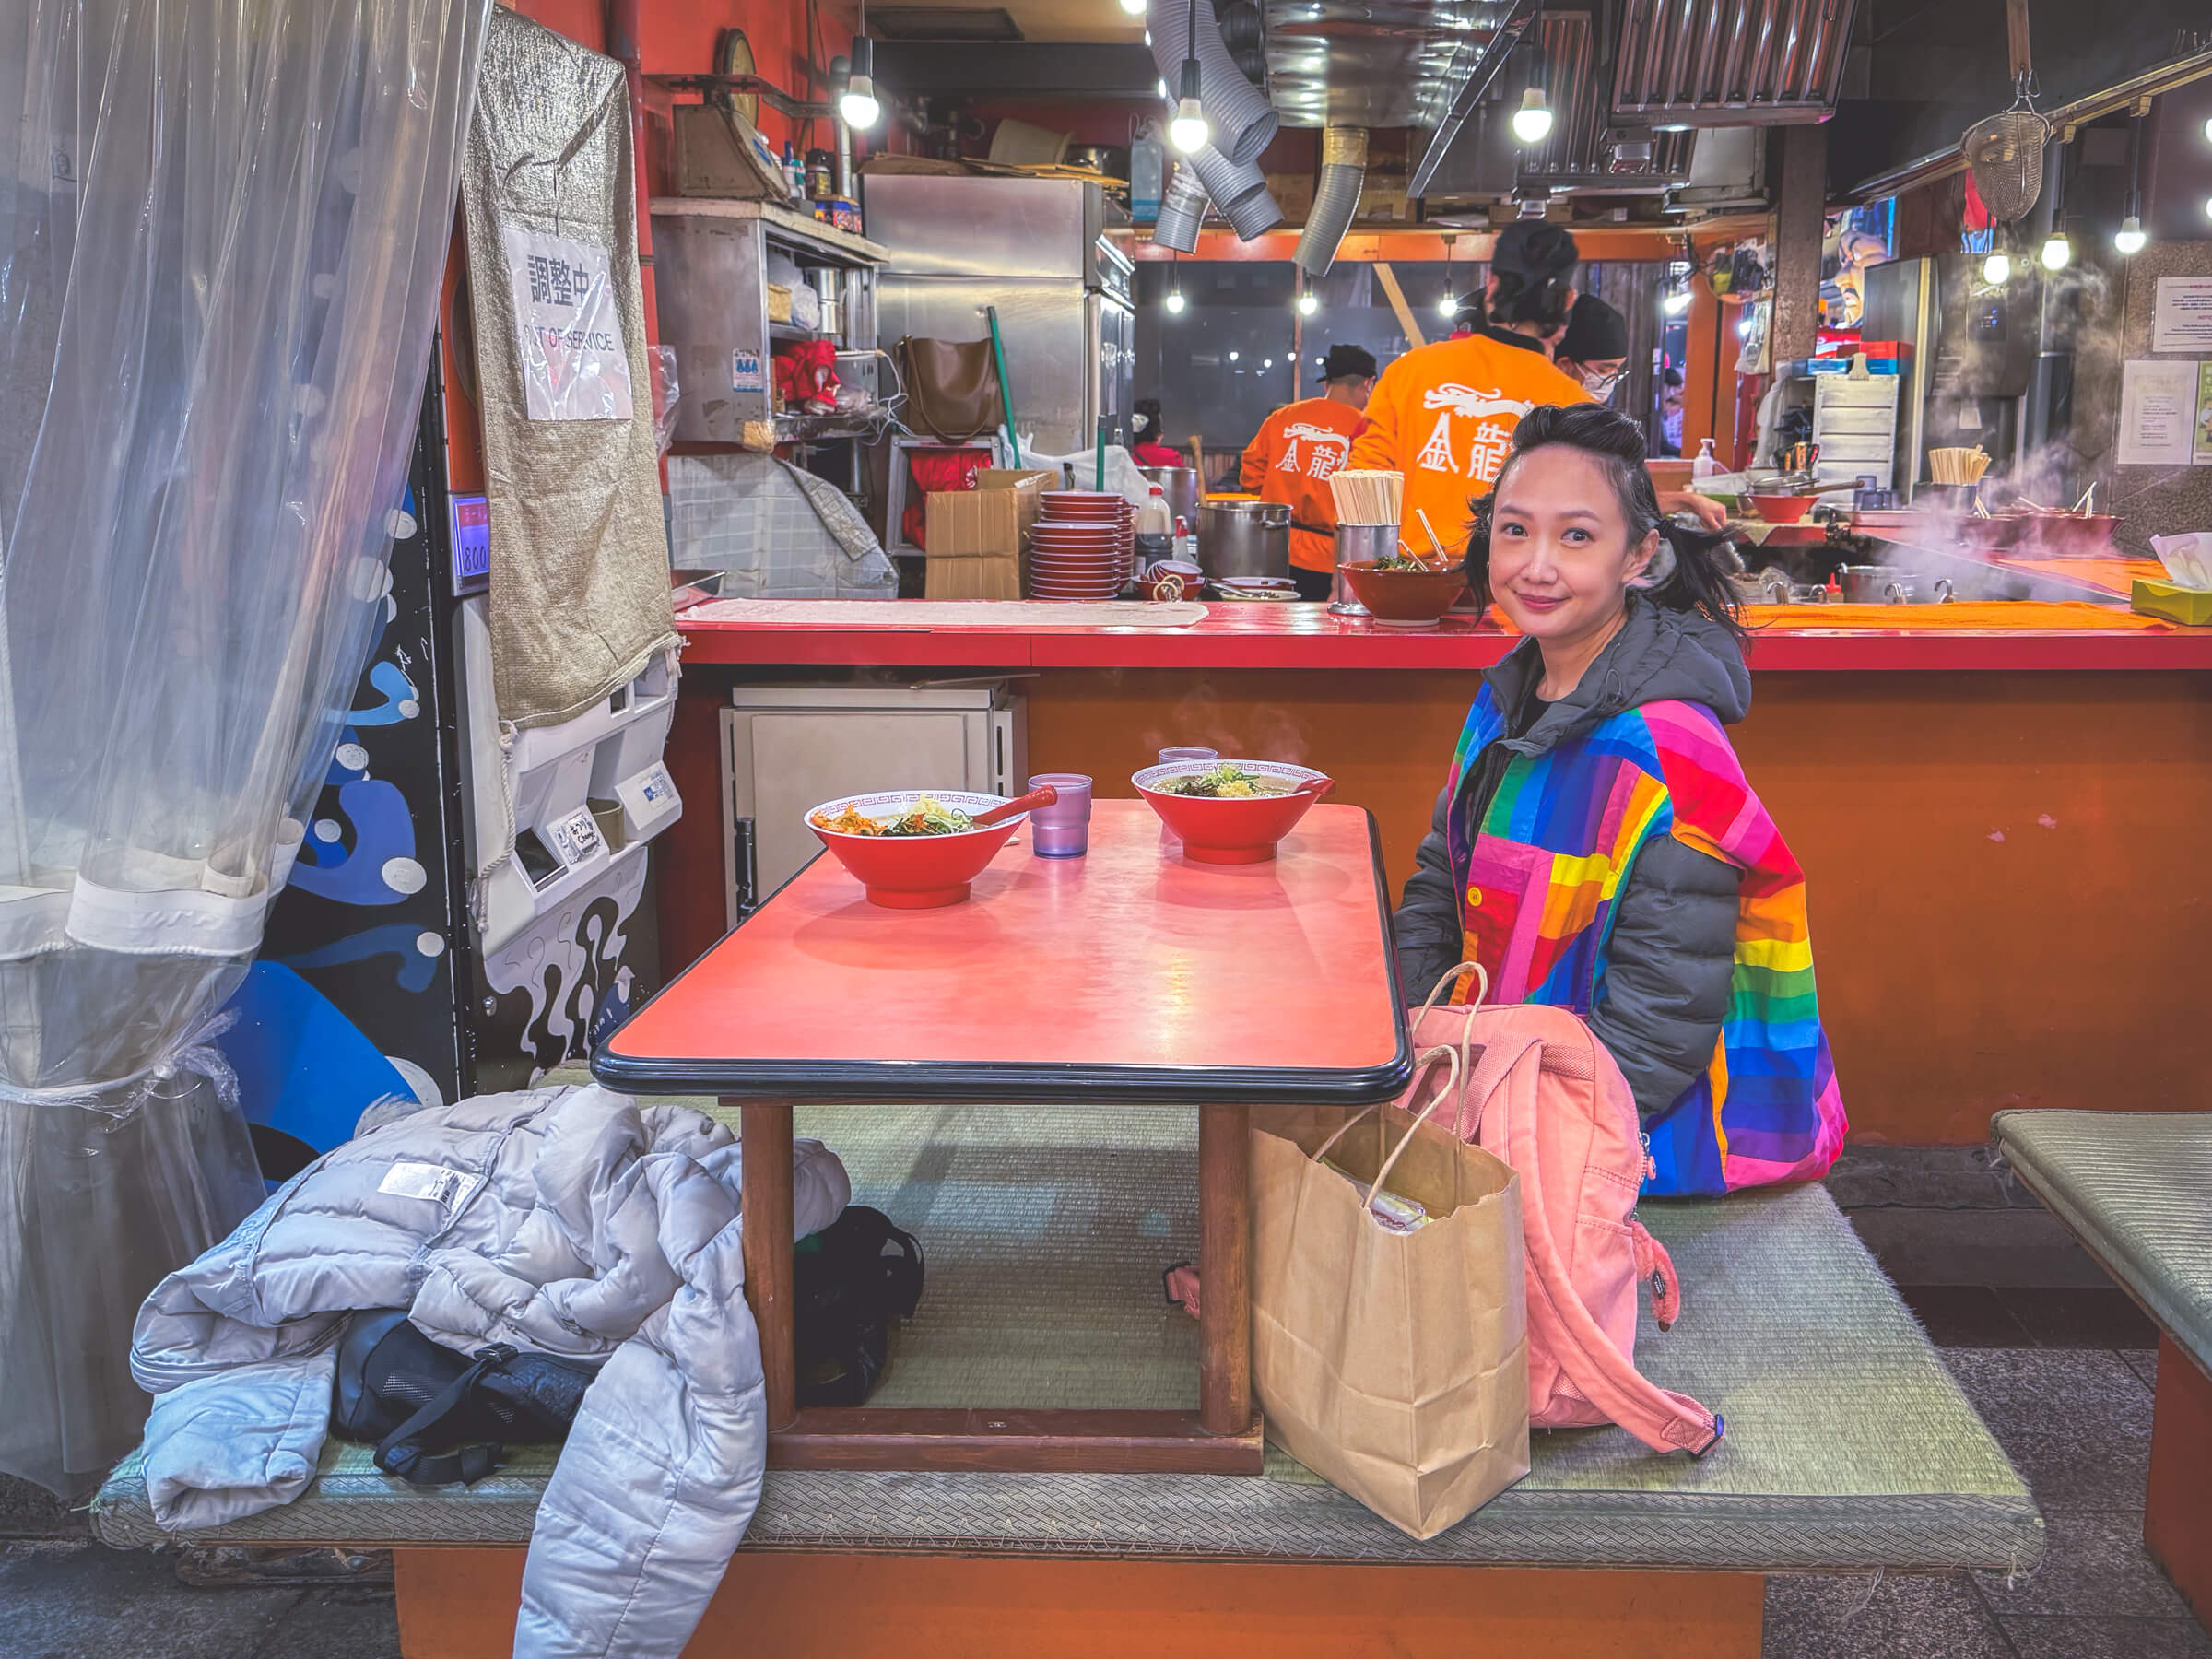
2059, 1364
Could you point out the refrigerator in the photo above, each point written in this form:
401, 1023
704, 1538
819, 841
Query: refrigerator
1040, 250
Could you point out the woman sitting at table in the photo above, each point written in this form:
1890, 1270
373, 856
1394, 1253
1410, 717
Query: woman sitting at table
1596, 846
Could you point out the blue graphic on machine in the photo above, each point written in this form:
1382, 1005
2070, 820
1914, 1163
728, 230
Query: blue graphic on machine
355, 999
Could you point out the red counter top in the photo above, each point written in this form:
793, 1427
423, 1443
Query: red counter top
1307, 637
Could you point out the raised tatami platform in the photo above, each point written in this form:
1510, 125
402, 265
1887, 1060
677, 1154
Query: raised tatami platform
1848, 1446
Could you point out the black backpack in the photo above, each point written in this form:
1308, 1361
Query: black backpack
849, 1281
437, 1416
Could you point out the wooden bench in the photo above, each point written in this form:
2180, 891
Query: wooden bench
1849, 1448
2135, 1188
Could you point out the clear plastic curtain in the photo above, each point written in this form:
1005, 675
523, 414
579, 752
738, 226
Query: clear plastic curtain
222, 227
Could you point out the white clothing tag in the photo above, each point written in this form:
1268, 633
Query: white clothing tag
434, 1182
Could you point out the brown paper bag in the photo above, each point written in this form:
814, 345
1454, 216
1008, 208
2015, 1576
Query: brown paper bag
1393, 1364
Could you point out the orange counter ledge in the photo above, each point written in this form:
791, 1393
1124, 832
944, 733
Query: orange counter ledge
2022, 635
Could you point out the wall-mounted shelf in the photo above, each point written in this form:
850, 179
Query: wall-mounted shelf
711, 278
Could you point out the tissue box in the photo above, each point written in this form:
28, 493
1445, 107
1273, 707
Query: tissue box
2189, 606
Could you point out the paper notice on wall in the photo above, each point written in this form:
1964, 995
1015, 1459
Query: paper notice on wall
2182, 319
2157, 414
575, 362
2204, 414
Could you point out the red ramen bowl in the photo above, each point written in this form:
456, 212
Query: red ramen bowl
1782, 509
1405, 598
1232, 829
914, 872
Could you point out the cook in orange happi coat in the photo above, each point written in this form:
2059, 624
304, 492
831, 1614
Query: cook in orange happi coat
1298, 447
1444, 414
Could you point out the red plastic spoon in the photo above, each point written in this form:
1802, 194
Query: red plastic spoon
1044, 795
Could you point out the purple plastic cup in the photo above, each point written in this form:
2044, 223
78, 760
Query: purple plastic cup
1168, 756
1062, 830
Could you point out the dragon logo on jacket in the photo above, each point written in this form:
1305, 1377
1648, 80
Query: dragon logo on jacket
1493, 440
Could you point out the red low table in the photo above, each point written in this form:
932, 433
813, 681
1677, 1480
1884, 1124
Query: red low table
1130, 974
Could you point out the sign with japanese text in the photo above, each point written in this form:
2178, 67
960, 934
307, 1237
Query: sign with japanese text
575, 362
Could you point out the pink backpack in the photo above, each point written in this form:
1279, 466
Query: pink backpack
1538, 1091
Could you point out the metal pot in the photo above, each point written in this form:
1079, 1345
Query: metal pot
1179, 485
1887, 585
1245, 538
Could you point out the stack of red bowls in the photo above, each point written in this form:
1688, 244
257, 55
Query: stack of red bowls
1080, 544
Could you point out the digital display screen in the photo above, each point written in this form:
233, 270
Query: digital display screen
472, 545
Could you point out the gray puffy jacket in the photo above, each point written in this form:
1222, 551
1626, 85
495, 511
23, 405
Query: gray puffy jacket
574, 1221
1672, 945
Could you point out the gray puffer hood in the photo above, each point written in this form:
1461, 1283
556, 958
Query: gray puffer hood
1660, 655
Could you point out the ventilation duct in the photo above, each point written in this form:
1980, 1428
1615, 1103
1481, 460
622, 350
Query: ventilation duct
1722, 62
1182, 212
1240, 190
1242, 119
1335, 199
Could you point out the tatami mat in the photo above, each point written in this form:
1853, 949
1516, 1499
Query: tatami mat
1848, 1442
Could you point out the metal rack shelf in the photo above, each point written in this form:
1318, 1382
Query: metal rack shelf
711, 259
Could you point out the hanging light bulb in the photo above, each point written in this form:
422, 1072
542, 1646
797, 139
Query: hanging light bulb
1189, 131
856, 105
2058, 251
1996, 270
1136, 8
1174, 301
1532, 120
1676, 302
1307, 304
1448, 306
2131, 239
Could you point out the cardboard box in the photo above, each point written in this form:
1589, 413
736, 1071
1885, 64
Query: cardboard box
974, 540
1382, 197
1293, 192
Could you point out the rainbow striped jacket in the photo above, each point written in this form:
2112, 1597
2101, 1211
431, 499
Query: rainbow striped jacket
1536, 882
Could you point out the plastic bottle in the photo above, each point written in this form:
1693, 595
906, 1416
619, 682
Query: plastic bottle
794, 175
1148, 175
1707, 464
1152, 518
1186, 543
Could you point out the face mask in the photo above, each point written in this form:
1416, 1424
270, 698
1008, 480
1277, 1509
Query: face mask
1600, 386
1137, 423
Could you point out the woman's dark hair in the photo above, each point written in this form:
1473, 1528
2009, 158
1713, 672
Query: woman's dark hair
1689, 574
1534, 264
1149, 431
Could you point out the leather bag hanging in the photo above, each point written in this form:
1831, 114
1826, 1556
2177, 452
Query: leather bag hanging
951, 387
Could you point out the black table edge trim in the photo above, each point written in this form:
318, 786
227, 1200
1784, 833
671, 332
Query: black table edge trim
890, 1082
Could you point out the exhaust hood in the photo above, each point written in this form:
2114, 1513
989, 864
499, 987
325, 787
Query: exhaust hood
1617, 73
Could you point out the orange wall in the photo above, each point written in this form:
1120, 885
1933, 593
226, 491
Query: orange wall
675, 38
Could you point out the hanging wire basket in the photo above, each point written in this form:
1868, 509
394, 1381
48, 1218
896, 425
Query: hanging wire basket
2006, 153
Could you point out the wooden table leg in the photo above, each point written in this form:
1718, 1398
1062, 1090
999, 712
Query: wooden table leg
765, 1133
2177, 1515
1225, 1269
